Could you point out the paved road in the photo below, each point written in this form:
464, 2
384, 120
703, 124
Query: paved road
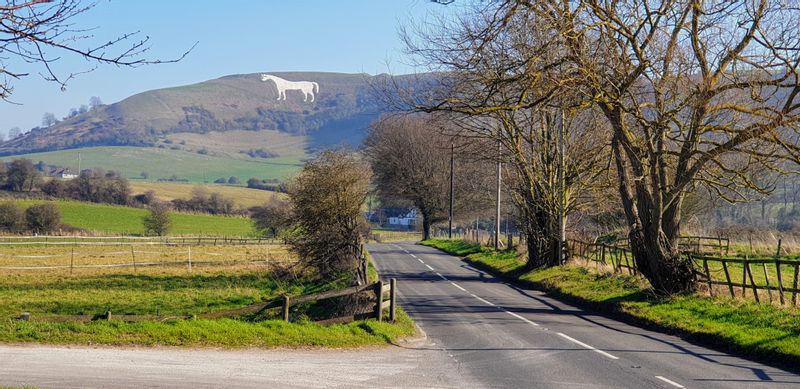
480, 333
501, 336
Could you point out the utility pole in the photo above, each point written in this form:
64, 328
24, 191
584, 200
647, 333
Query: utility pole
497, 213
561, 190
452, 191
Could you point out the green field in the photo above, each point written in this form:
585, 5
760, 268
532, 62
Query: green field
117, 220
761, 330
164, 163
172, 293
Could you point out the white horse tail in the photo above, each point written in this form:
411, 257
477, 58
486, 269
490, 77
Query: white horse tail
316, 87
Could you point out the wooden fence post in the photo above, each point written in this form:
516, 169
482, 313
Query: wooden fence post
728, 277
745, 266
286, 308
71, 260
794, 286
392, 299
133, 257
752, 282
379, 297
780, 280
708, 276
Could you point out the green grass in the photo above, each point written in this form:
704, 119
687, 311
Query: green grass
164, 163
171, 294
763, 331
126, 220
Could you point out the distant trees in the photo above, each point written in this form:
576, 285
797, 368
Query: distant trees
234, 180
14, 133
95, 185
95, 102
410, 160
43, 218
269, 184
202, 201
22, 175
158, 221
48, 119
326, 199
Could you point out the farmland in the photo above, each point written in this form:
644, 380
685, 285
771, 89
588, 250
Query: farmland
241, 196
112, 219
165, 163
223, 277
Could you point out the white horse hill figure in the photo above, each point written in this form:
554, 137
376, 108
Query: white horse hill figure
307, 87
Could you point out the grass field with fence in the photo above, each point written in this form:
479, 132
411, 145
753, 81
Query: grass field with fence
164, 293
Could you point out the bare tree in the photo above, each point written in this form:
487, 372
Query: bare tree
40, 32
49, 119
503, 84
410, 160
697, 93
95, 102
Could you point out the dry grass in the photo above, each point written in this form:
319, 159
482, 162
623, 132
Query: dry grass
243, 197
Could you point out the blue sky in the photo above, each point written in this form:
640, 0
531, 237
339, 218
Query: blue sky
234, 36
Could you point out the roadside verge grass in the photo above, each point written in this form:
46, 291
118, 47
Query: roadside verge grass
762, 331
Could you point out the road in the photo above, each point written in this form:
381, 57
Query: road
502, 336
480, 332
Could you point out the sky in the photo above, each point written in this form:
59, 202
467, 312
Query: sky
233, 37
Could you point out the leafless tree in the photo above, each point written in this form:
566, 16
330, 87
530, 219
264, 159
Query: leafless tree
40, 32
502, 83
697, 93
410, 158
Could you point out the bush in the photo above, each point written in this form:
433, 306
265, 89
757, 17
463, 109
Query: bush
234, 180
271, 218
158, 221
12, 218
43, 218
220, 180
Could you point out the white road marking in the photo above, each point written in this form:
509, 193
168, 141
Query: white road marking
420, 261
669, 381
429, 266
482, 300
441, 276
578, 342
521, 318
458, 286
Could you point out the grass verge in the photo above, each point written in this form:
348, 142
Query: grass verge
759, 331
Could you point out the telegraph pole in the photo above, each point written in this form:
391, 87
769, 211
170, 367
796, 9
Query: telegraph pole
452, 191
497, 213
561, 190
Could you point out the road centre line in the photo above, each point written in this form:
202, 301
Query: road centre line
578, 342
669, 381
565, 336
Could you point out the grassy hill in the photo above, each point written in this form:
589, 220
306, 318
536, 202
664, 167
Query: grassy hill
113, 219
341, 112
164, 163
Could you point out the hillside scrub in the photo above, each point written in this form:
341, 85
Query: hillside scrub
758, 330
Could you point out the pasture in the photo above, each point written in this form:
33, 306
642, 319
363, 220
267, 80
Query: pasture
165, 162
117, 220
36, 278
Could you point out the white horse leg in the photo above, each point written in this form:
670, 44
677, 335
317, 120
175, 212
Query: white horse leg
279, 94
312, 97
305, 96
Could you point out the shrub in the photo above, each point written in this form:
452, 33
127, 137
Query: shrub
12, 218
158, 221
43, 218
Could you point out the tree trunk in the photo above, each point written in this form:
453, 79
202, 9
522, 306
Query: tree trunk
658, 257
426, 227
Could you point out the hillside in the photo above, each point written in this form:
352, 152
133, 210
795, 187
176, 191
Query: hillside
340, 114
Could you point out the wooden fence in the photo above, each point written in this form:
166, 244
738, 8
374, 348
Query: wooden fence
385, 297
777, 278
694, 244
134, 240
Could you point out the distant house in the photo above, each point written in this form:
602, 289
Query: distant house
394, 217
63, 172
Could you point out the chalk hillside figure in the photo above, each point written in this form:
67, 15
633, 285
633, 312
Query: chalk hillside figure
309, 88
